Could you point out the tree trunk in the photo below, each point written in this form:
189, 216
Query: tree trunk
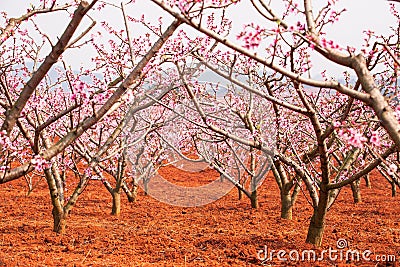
393, 188
332, 196
286, 205
317, 223
146, 186
130, 193
240, 193
355, 188
254, 199
116, 203
367, 181
59, 221
59, 214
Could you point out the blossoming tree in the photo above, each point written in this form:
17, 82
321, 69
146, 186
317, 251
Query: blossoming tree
327, 130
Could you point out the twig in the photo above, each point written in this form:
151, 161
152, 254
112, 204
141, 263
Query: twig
87, 254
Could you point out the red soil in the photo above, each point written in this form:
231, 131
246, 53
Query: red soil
224, 233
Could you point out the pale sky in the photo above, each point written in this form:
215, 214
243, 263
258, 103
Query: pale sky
360, 15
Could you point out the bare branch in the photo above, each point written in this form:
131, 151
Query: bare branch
37, 77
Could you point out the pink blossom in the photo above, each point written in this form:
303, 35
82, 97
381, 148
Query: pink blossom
353, 137
356, 139
392, 169
252, 38
40, 163
375, 138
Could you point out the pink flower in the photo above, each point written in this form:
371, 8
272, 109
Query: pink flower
353, 137
251, 37
392, 169
375, 138
40, 163
397, 112
73, 97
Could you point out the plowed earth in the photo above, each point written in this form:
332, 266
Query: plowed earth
225, 233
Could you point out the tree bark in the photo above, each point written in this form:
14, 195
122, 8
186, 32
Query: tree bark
367, 181
317, 223
131, 194
146, 186
393, 188
286, 205
254, 199
240, 193
59, 221
355, 188
59, 213
116, 203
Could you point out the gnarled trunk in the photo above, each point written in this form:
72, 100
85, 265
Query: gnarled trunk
146, 186
393, 188
367, 181
254, 199
286, 205
131, 193
59, 213
317, 223
240, 193
59, 221
355, 188
116, 203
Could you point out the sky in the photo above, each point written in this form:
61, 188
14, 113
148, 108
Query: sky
360, 15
